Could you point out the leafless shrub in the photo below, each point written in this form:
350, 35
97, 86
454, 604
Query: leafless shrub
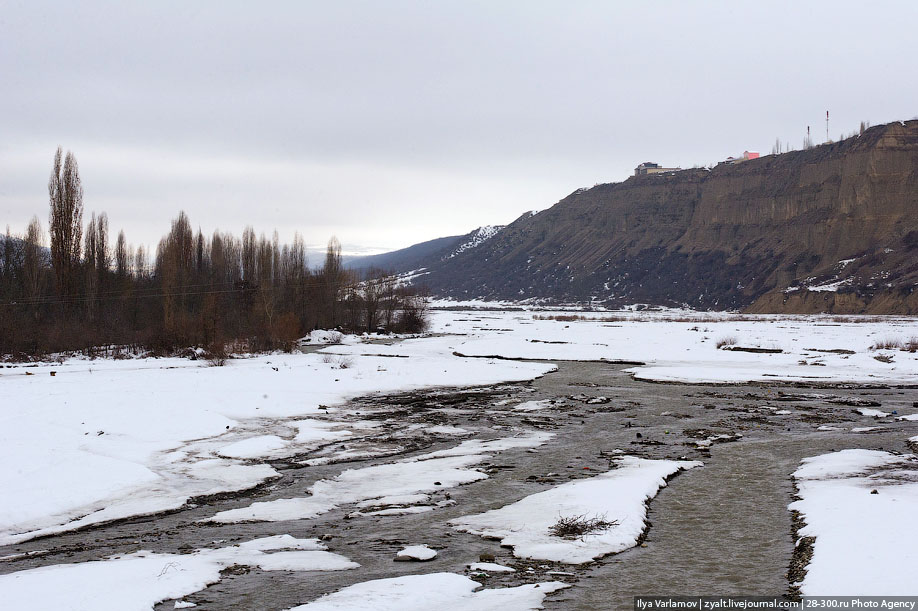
560, 317
337, 361
911, 345
335, 337
216, 354
890, 343
729, 340
854, 318
575, 527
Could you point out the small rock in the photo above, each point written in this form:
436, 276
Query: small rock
874, 491
486, 557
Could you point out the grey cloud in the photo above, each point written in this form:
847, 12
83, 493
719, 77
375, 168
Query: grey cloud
437, 115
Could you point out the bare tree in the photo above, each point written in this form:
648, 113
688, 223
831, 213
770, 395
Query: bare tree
103, 256
65, 192
140, 262
389, 293
776, 149
374, 290
200, 262
32, 263
175, 262
121, 256
90, 257
249, 256
9, 257
333, 281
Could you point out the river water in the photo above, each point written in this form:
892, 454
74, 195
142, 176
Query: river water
720, 529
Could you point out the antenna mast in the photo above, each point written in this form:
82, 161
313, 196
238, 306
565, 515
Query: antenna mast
827, 126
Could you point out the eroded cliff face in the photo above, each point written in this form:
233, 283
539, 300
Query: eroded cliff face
731, 237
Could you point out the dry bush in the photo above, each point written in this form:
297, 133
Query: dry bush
216, 354
335, 337
286, 332
890, 343
729, 340
337, 361
911, 345
857, 318
560, 317
575, 527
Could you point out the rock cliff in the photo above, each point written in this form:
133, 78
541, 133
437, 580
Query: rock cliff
777, 233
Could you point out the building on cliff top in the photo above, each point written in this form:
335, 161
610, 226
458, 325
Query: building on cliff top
649, 167
747, 155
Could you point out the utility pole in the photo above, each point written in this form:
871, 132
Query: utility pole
827, 126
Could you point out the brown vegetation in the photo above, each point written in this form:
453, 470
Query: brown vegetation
892, 343
198, 291
574, 527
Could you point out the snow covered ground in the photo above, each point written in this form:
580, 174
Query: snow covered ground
618, 496
140, 580
103, 440
682, 346
432, 591
860, 505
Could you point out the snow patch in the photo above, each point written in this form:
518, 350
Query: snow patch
477, 238
432, 591
104, 440
490, 567
865, 544
618, 496
532, 406
408, 481
143, 579
419, 553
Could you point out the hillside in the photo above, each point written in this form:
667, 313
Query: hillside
424, 254
753, 235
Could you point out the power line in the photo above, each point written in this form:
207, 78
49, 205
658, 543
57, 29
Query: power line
146, 294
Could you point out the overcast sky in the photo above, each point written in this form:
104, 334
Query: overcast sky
389, 123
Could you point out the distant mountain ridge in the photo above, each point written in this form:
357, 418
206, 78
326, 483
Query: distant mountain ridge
832, 228
426, 253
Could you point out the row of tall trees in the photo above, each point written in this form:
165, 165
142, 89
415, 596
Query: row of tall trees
81, 292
